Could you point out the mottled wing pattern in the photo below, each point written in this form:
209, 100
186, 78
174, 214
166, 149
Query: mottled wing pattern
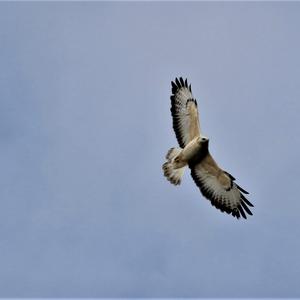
184, 112
219, 187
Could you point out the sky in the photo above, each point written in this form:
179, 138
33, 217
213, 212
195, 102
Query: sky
84, 127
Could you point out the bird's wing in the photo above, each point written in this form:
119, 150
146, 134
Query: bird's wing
184, 112
219, 187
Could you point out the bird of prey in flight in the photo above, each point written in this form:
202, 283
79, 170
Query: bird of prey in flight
215, 184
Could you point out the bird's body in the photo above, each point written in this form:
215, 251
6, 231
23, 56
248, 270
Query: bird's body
193, 151
215, 184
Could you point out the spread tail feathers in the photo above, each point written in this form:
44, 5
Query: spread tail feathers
171, 171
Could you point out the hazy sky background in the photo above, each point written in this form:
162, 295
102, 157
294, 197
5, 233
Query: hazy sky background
84, 127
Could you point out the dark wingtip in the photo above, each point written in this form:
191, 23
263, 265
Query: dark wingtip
246, 200
236, 213
230, 176
246, 208
242, 212
181, 81
242, 190
178, 83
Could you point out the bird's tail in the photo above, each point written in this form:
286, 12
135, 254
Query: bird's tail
172, 170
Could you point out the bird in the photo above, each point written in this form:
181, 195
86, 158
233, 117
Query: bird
215, 184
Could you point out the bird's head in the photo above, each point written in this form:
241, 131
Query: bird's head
203, 142
204, 139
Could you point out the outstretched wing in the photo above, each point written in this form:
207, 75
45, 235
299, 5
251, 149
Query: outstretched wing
184, 112
219, 187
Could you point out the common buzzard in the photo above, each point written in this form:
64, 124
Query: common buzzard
215, 184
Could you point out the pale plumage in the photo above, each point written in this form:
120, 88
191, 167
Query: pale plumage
214, 183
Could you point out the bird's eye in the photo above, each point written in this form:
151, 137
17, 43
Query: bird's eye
203, 139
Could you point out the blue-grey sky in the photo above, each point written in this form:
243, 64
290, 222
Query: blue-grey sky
84, 127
